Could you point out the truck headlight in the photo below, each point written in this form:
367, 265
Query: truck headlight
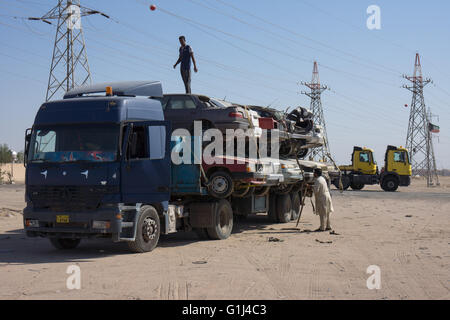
101, 224
32, 223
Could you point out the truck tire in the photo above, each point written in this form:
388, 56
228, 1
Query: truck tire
220, 185
357, 186
284, 208
65, 244
201, 233
272, 213
390, 184
296, 205
223, 221
147, 232
345, 182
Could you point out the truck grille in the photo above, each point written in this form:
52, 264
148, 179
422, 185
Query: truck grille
69, 198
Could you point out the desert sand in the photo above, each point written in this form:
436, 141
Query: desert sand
406, 234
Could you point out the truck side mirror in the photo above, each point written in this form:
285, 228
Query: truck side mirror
27, 146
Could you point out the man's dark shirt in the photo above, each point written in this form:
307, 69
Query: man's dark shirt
185, 55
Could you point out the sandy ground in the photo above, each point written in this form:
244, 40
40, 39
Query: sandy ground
406, 234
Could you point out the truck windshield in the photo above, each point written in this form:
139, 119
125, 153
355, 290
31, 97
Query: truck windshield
72, 143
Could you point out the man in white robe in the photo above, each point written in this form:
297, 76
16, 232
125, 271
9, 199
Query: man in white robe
324, 205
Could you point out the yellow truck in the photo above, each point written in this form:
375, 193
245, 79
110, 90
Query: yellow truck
364, 170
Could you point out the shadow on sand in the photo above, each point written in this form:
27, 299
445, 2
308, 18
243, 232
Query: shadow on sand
17, 248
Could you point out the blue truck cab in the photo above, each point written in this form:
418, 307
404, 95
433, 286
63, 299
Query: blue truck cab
97, 164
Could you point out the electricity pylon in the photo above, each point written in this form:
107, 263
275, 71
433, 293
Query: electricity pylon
69, 66
321, 153
419, 140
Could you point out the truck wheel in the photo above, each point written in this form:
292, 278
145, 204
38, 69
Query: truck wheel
148, 231
223, 221
296, 205
389, 184
201, 233
220, 185
357, 186
345, 182
336, 183
272, 213
65, 244
284, 208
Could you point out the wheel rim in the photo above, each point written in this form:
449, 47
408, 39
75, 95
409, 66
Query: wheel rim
149, 229
391, 184
219, 185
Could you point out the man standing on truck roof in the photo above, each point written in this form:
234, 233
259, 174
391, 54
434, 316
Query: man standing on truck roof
324, 205
186, 54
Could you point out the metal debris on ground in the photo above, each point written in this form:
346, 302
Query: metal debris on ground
334, 233
199, 262
273, 239
320, 241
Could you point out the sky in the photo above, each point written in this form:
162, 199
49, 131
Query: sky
250, 52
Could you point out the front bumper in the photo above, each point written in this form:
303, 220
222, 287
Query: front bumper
258, 178
80, 224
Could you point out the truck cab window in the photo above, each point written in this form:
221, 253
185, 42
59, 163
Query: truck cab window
364, 157
399, 157
157, 142
140, 151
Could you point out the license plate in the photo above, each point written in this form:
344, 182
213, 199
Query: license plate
62, 219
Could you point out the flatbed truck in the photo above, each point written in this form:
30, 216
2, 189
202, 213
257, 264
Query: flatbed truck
98, 165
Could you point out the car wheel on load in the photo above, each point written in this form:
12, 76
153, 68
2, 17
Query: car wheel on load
302, 153
147, 232
65, 244
241, 191
220, 185
223, 221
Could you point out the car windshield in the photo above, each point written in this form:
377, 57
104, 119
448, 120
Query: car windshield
221, 103
73, 143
